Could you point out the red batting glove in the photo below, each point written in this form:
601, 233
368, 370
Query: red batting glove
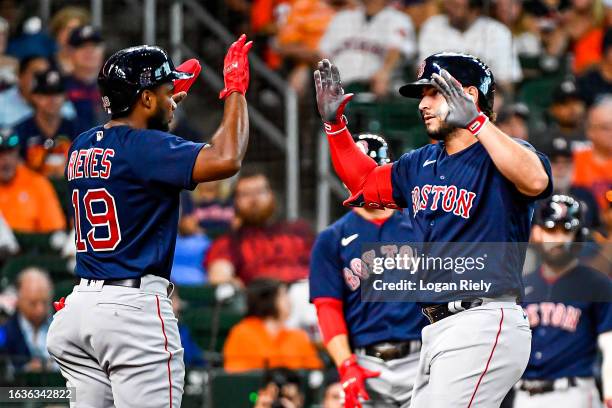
609, 403
352, 378
59, 305
236, 68
192, 67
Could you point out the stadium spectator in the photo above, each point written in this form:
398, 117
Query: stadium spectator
523, 26
513, 120
334, 396
8, 64
561, 158
261, 340
62, 24
593, 163
582, 24
87, 51
298, 39
282, 389
15, 102
463, 28
367, 44
260, 247
565, 115
45, 136
31, 39
602, 261
25, 333
205, 210
192, 355
598, 80
27, 199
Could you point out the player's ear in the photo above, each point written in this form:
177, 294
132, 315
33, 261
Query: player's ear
146, 97
472, 91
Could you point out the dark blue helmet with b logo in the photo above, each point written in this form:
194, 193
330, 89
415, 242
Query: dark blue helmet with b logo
465, 68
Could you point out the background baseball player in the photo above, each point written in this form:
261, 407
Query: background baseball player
385, 336
116, 340
475, 350
568, 310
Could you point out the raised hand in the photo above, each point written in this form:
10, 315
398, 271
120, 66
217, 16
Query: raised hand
462, 110
236, 67
331, 99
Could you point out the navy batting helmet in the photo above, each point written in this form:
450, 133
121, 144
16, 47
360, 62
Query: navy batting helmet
562, 210
374, 146
465, 68
130, 71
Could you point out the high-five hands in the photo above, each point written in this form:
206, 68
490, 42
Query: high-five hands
236, 67
331, 99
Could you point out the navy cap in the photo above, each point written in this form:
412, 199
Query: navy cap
84, 34
49, 82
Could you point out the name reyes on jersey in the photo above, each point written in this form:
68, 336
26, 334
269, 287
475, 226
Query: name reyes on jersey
450, 198
90, 163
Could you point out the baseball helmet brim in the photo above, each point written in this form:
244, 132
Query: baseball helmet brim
414, 89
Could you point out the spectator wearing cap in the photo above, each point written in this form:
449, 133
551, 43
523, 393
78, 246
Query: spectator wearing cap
16, 101
559, 152
25, 333
81, 85
598, 80
594, 163
512, 120
45, 136
62, 24
27, 199
565, 115
463, 28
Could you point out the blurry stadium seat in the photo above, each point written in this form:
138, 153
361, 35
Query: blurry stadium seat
44, 379
35, 243
55, 265
201, 322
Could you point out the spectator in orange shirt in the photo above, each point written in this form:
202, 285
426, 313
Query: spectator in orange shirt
594, 163
27, 200
298, 39
261, 340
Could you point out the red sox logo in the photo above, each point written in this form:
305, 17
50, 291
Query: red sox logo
559, 315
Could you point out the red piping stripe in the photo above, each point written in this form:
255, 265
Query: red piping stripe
165, 347
490, 357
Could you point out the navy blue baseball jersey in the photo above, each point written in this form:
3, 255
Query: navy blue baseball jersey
463, 197
336, 272
125, 185
564, 332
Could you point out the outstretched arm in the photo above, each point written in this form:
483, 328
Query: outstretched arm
223, 157
356, 170
516, 162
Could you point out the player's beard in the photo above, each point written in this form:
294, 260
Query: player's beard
159, 121
558, 256
444, 129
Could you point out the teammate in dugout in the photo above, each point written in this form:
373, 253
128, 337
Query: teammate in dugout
386, 336
115, 337
567, 304
476, 184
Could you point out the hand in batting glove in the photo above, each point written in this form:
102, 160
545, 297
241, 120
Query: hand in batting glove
352, 378
236, 68
462, 111
331, 99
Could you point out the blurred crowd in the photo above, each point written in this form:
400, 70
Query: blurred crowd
232, 233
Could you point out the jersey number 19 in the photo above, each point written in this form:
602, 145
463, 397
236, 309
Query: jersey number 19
106, 220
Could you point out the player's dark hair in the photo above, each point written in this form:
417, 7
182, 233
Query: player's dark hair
261, 297
25, 62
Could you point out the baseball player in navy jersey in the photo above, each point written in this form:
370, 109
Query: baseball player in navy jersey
476, 184
374, 341
115, 337
568, 308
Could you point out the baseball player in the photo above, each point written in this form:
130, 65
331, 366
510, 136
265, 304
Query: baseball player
568, 310
476, 184
115, 337
385, 336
